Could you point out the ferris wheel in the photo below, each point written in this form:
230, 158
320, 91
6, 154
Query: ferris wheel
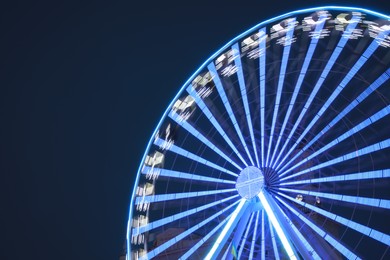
277, 147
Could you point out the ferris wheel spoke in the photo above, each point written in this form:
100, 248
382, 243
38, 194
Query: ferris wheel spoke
302, 74
170, 219
365, 230
337, 245
190, 129
378, 174
245, 237
215, 123
194, 157
356, 67
241, 81
176, 196
147, 170
282, 74
228, 228
275, 248
262, 236
378, 203
373, 87
189, 231
324, 74
371, 120
363, 151
254, 236
262, 51
228, 108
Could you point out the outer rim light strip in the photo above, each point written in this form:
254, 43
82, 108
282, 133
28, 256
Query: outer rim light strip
365, 230
213, 121
245, 236
302, 74
256, 27
204, 239
345, 177
379, 203
241, 81
178, 150
277, 226
190, 129
262, 46
227, 227
183, 175
228, 108
370, 89
320, 81
254, 236
369, 121
356, 67
366, 150
164, 221
176, 196
176, 239
271, 228
342, 249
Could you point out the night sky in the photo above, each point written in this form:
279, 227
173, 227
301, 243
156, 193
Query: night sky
83, 84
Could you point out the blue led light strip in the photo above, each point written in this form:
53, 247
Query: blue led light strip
367, 231
324, 74
182, 175
190, 129
194, 157
262, 50
366, 150
373, 87
378, 174
241, 81
254, 236
276, 252
282, 74
356, 67
167, 220
213, 121
302, 74
179, 237
228, 108
244, 238
371, 120
341, 248
379, 203
176, 196
262, 236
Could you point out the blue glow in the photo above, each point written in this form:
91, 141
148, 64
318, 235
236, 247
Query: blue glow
356, 67
366, 150
262, 236
215, 123
164, 221
194, 157
262, 48
228, 108
229, 225
345, 177
176, 196
371, 120
377, 235
276, 252
373, 87
276, 225
241, 81
254, 236
324, 74
342, 249
305, 66
379, 203
282, 74
190, 129
245, 236
176, 239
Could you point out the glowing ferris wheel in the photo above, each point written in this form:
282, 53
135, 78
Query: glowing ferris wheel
277, 147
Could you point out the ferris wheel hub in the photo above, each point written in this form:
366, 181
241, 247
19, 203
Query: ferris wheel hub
250, 182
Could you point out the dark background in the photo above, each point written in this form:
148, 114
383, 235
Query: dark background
83, 84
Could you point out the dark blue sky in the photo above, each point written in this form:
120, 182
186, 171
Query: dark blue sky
83, 85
